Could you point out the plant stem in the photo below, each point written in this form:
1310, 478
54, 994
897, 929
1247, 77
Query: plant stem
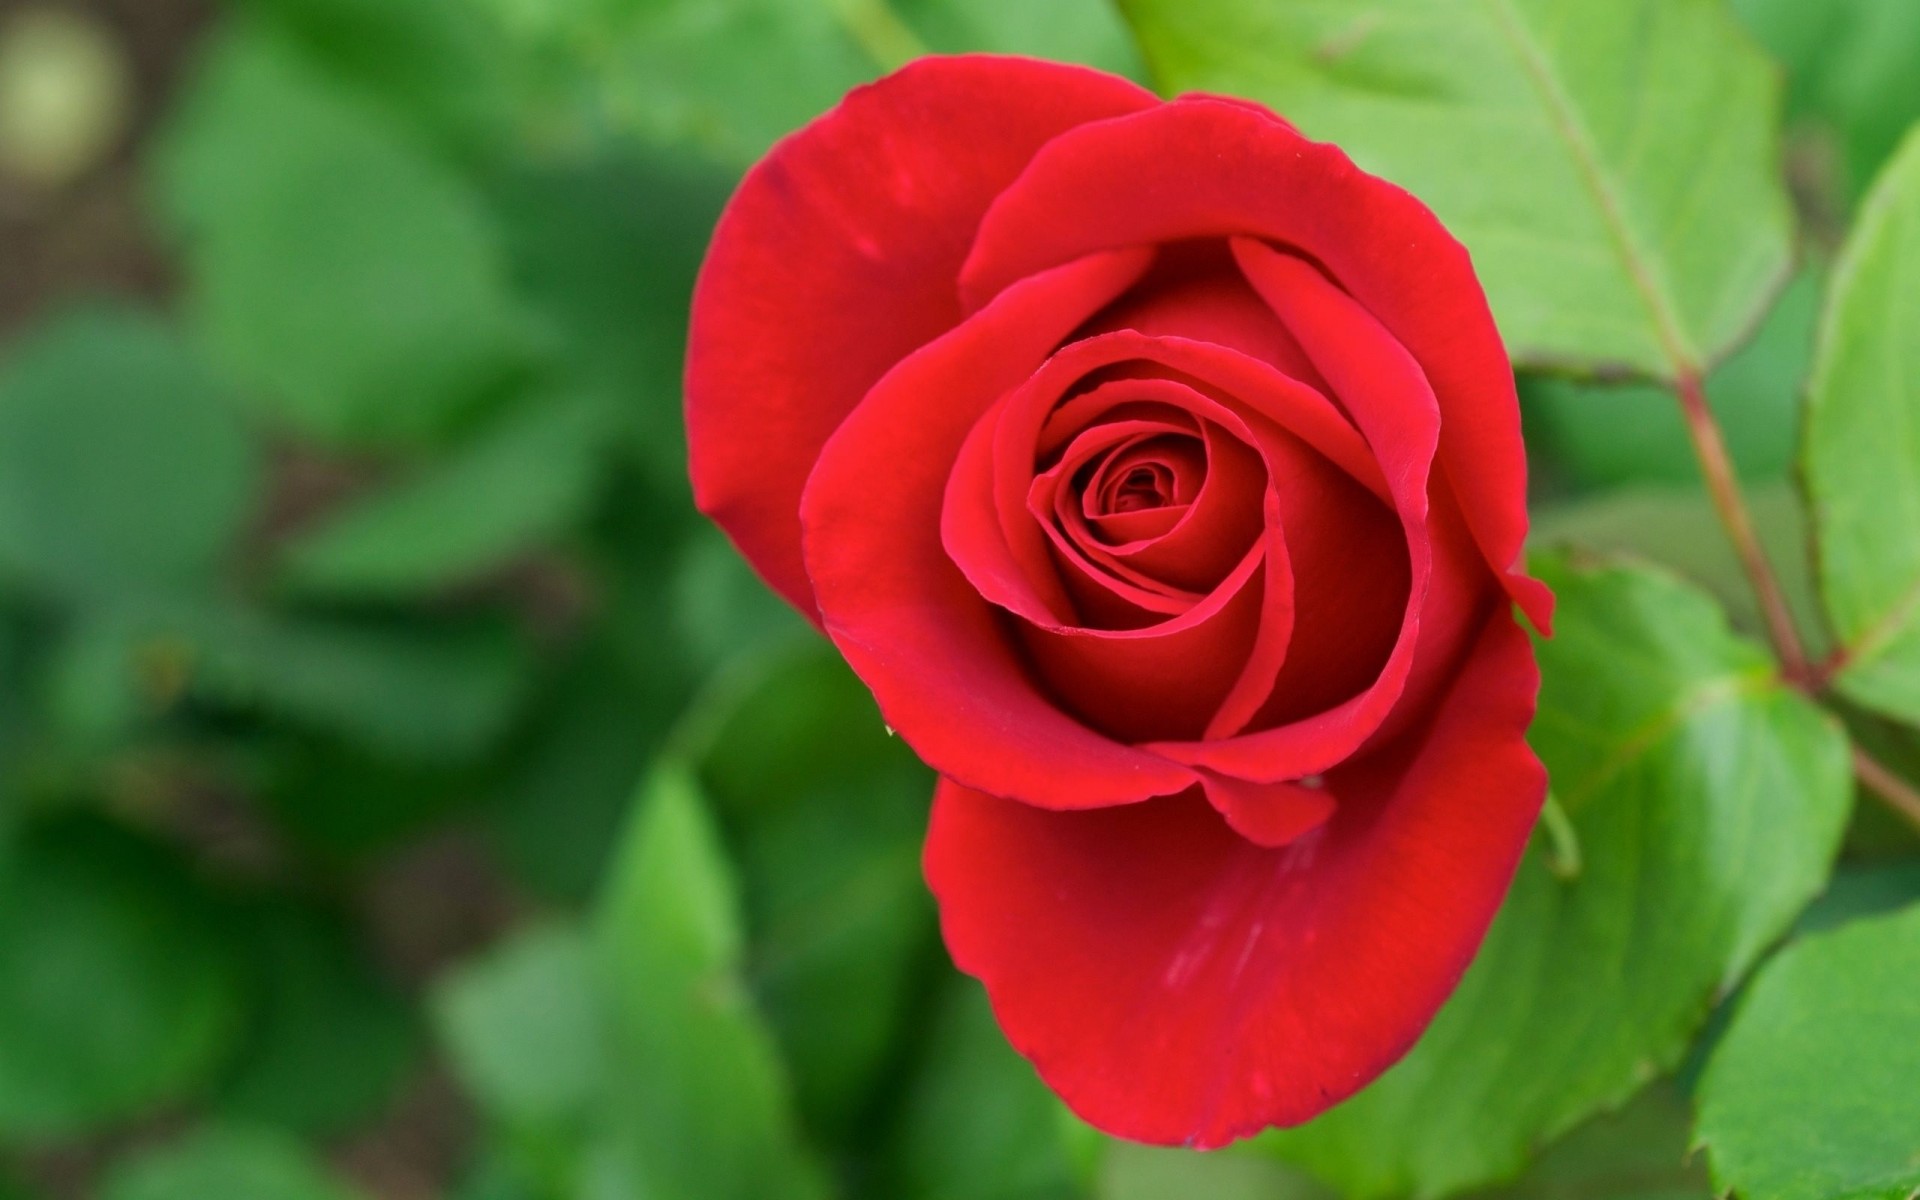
1716, 465
1898, 794
1723, 485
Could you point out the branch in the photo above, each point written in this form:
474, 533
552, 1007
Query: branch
1723, 485
1898, 794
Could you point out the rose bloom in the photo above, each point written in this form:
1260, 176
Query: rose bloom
1160, 473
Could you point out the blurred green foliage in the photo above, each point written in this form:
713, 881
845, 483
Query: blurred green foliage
349, 591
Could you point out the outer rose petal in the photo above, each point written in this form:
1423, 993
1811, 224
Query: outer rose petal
837, 258
1176, 983
1206, 167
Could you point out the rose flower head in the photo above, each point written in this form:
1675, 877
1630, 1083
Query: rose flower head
1160, 473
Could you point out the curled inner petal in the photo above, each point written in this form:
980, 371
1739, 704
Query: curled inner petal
1148, 472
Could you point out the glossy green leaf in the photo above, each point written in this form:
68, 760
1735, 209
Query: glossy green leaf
1612, 164
122, 466
331, 1040
118, 989
699, 1109
524, 1028
1862, 448
1810, 1095
352, 282
524, 480
1707, 800
227, 1163
840, 922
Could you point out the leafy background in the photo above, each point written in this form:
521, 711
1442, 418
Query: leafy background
403, 794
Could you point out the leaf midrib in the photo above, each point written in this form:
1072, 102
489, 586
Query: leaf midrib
1572, 132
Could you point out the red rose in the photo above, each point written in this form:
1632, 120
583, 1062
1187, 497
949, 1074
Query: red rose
1160, 472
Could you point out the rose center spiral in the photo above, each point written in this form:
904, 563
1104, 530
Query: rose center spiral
1158, 472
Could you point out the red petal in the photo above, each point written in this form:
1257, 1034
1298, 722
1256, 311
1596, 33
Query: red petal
1191, 546
1177, 983
1196, 292
1389, 400
838, 257
935, 654
1270, 815
1204, 167
1163, 681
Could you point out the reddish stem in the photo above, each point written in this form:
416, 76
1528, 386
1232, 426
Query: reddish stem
1723, 485
1898, 794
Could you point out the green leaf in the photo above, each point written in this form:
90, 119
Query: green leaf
606, 251
332, 1040
1611, 164
122, 468
524, 1028
18, 718
437, 63
1066, 30
118, 991
350, 280
1850, 68
225, 1163
1677, 528
498, 1175
729, 77
524, 480
699, 1110
1862, 890
975, 1122
1596, 436
1131, 1171
1862, 448
1638, 1153
1810, 1096
1707, 800
343, 803
428, 693
829, 847
723, 612
558, 806
726, 78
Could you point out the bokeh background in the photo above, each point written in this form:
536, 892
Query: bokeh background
403, 794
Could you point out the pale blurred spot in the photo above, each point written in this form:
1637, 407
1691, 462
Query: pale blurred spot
64, 95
